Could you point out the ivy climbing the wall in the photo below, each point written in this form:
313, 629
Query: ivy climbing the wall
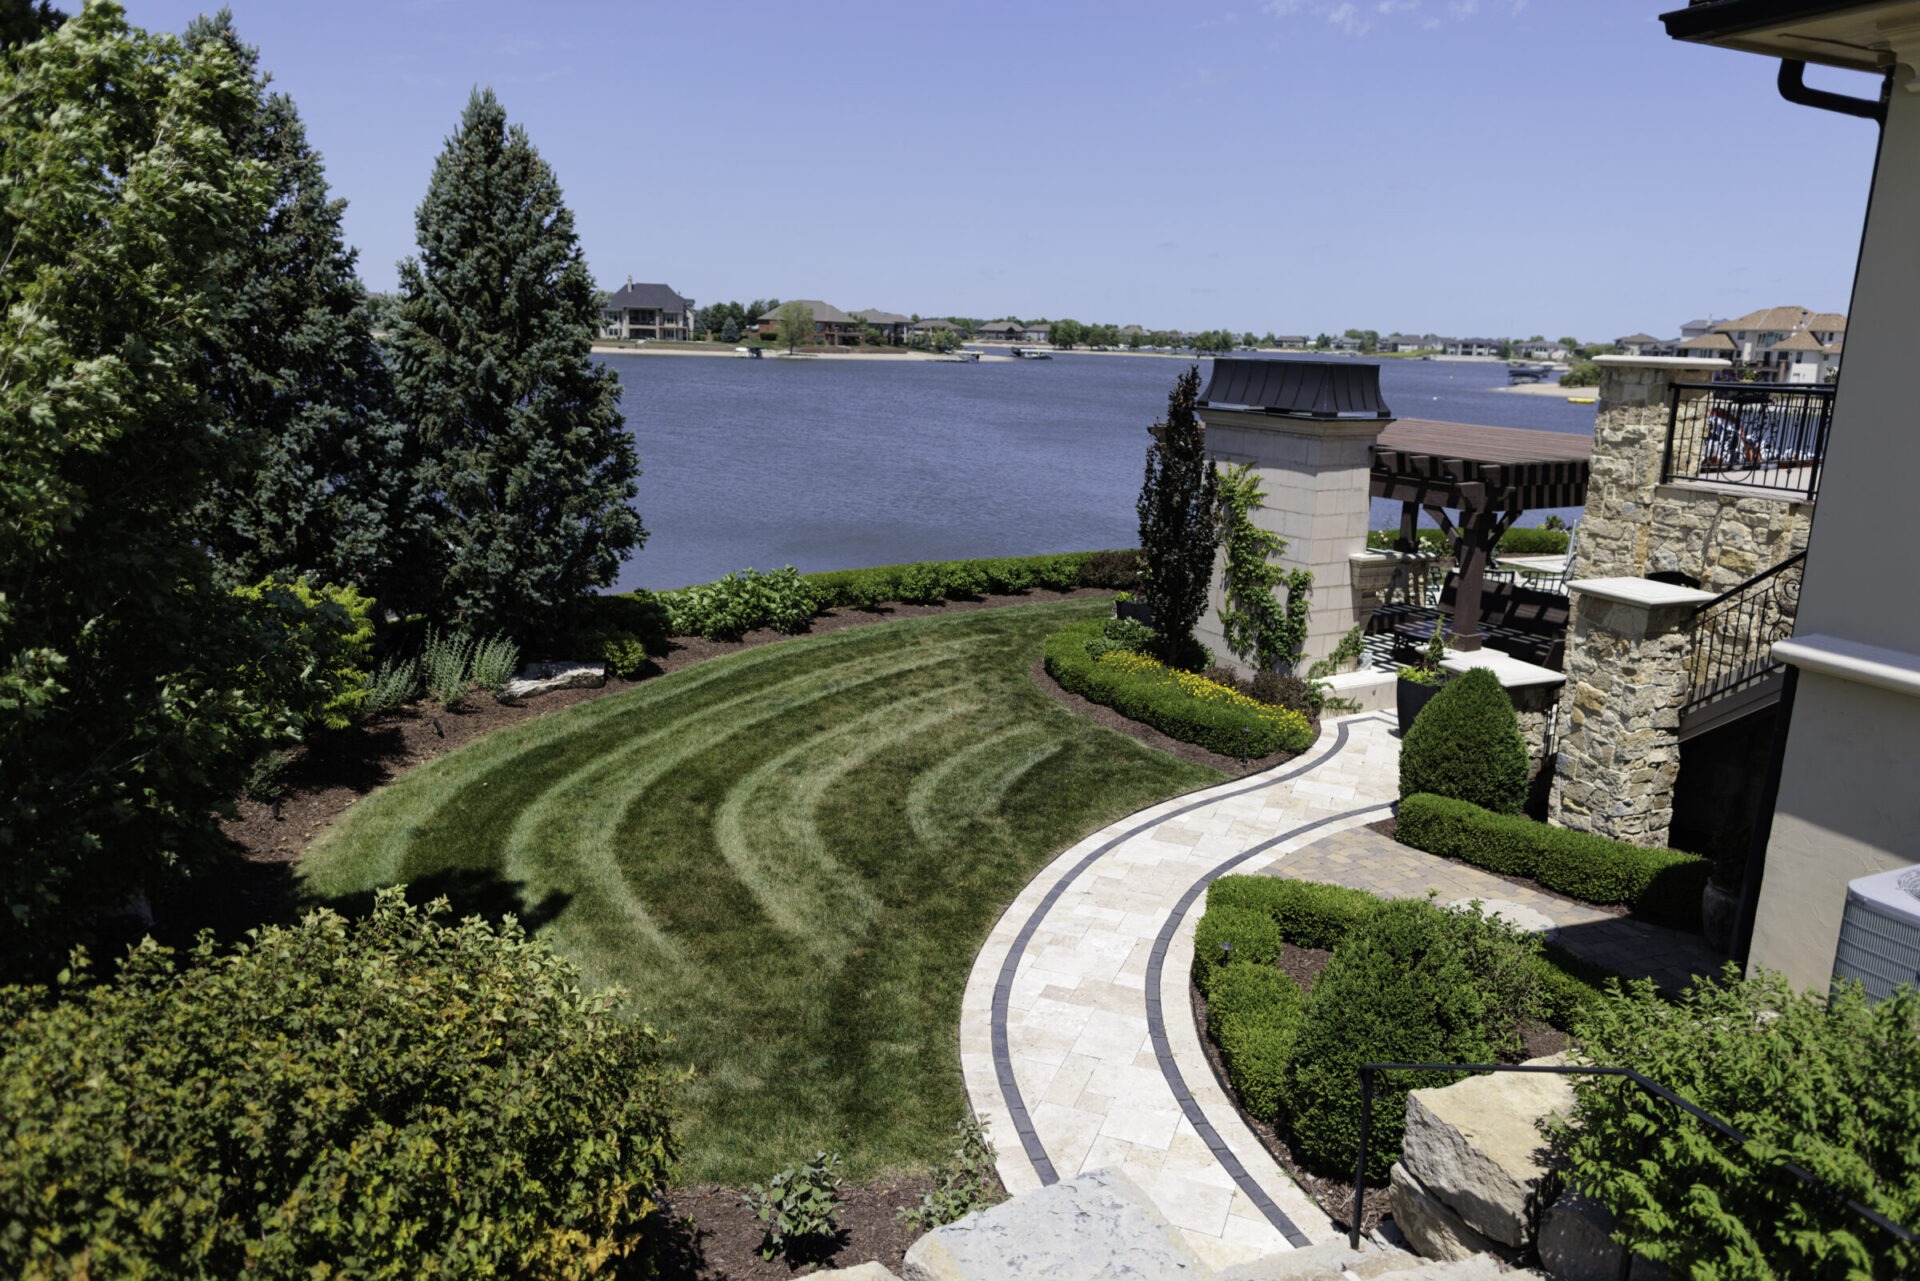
1261, 629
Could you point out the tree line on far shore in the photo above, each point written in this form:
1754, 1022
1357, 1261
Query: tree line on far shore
224, 465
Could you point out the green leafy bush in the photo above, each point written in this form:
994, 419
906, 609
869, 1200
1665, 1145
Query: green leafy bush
1582, 373
964, 578
392, 1096
1253, 1015
1533, 541
1413, 984
1122, 633
968, 1182
922, 584
1308, 913
311, 651
1657, 884
1834, 1088
864, 588
1283, 691
445, 662
1057, 573
1009, 577
626, 620
730, 607
625, 656
799, 1203
495, 660
1466, 744
1114, 570
1176, 703
1228, 937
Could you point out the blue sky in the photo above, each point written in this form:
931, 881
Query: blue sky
1553, 166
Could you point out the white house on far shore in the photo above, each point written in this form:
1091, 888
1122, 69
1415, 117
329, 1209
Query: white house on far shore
636, 312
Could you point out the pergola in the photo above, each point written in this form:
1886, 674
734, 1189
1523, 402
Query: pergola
1490, 476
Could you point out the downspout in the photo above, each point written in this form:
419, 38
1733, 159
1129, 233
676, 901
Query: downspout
1794, 88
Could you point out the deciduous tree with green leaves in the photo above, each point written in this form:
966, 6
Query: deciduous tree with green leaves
325, 486
794, 323
522, 445
1179, 522
121, 726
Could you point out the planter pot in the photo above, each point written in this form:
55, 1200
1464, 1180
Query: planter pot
1138, 611
1718, 908
1409, 698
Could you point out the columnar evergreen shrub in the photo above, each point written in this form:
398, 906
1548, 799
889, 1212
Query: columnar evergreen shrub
1466, 745
1413, 984
521, 442
1179, 521
1658, 884
393, 1096
1833, 1087
324, 487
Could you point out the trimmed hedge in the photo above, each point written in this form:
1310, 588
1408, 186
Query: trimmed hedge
1466, 744
1253, 1015
926, 581
394, 1096
1232, 938
1309, 914
1657, 884
1530, 541
1179, 704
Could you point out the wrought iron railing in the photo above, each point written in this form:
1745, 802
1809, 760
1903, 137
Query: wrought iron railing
1368, 1071
1753, 435
1734, 633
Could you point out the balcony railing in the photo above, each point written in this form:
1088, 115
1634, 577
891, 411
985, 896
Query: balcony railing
1734, 633
1762, 436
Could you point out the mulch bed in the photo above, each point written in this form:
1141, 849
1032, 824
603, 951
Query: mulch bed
1231, 766
1333, 1194
717, 1237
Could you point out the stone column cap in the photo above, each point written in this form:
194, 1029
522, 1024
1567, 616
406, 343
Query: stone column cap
1664, 362
1511, 672
1643, 592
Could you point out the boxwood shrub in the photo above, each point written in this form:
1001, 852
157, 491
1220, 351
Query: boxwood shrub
1466, 744
1230, 938
1657, 884
1180, 704
1309, 914
394, 1096
1253, 1015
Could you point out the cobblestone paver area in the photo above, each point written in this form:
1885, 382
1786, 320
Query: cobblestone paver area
1366, 860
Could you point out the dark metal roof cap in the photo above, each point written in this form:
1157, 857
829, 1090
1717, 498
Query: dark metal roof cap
1296, 388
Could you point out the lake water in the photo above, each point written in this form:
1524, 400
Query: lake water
827, 464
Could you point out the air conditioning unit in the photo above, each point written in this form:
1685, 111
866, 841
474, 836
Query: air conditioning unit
1880, 933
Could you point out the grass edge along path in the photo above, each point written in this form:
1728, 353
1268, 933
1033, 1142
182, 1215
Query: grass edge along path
788, 856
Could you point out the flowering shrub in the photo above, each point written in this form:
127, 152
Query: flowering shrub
730, 607
1190, 708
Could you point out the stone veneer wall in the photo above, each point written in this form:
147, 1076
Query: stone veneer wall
1635, 526
1618, 755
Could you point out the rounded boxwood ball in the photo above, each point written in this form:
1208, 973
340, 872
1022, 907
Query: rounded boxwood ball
1466, 745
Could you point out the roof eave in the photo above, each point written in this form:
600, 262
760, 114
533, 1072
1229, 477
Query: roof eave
1835, 33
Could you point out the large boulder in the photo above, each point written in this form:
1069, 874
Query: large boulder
1098, 1226
1576, 1243
1476, 1146
1429, 1225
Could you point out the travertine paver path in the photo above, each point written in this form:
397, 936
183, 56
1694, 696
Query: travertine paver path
1076, 1037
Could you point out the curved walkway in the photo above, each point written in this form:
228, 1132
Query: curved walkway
1075, 1037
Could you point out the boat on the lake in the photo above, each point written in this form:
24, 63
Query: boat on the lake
1031, 353
1524, 373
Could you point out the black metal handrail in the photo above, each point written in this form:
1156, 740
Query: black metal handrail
1369, 1070
1770, 436
1734, 633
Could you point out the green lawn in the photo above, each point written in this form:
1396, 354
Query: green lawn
788, 856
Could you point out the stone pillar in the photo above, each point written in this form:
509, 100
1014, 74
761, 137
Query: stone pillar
1317, 477
1619, 749
1629, 446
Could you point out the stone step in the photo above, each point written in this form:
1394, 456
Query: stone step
1324, 1262
1098, 1226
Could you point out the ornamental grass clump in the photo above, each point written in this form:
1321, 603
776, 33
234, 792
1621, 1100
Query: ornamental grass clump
1466, 745
395, 1096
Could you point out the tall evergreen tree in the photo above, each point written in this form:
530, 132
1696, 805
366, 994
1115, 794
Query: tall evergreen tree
120, 725
1179, 510
24, 21
324, 488
523, 448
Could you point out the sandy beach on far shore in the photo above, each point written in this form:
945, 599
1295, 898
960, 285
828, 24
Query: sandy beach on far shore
1548, 389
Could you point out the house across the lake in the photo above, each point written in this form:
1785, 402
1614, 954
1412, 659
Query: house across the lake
637, 312
891, 324
1774, 344
831, 326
